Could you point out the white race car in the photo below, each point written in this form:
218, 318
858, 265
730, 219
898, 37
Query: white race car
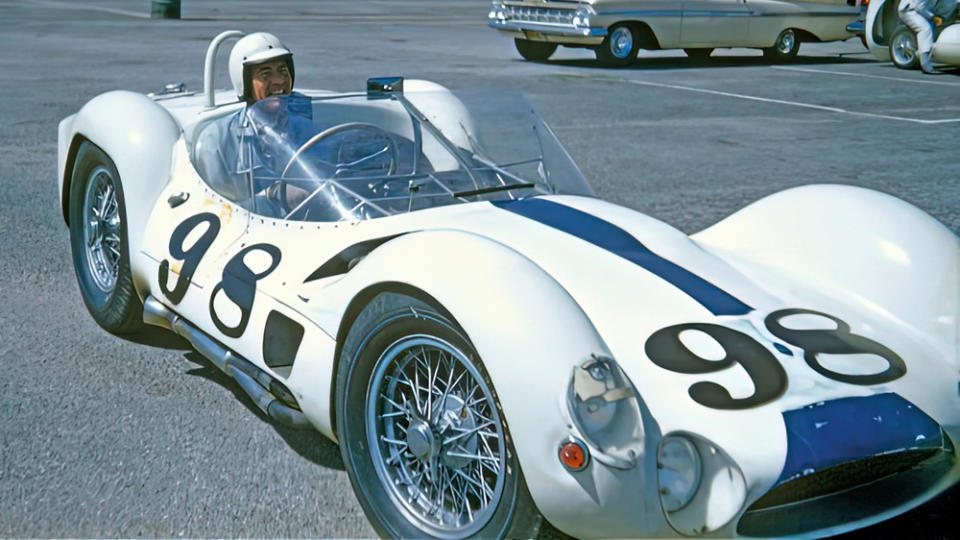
426, 278
888, 38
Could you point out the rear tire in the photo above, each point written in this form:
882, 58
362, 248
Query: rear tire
98, 240
397, 448
534, 51
620, 46
903, 49
785, 48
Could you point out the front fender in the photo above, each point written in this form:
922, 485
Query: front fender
138, 135
530, 333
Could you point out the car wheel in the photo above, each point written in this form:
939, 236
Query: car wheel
620, 46
421, 431
785, 48
699, 55
903, 49
534, 51
98, 239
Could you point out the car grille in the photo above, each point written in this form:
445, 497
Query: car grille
846, 492
840, 478
539, 15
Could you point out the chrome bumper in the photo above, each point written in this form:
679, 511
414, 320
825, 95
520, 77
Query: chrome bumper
551, 29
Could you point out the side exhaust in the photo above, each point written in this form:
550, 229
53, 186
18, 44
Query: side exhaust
269, 394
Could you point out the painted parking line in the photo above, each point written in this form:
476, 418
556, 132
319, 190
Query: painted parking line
87, 7
800, 104
865, 75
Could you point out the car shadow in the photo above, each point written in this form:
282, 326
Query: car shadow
714, 62
309, 443
154, 336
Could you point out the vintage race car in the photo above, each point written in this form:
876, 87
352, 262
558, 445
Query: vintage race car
425, 277
888, 38
617, 29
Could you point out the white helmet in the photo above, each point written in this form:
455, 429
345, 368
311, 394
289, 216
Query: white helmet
254, 49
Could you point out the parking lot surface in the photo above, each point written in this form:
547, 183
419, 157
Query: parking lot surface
103, 437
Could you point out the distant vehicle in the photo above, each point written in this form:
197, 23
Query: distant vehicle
888, 38
617, 29
489, 343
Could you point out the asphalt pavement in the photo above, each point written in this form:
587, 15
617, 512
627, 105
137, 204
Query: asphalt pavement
102, 437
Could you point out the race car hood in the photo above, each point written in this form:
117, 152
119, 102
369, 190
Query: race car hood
665, 306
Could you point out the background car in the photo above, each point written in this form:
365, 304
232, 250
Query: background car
617, 29
888, 38
490, 343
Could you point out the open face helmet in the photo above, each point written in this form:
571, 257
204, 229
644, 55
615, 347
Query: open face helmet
251, 50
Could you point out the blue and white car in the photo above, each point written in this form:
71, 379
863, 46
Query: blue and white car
492, 345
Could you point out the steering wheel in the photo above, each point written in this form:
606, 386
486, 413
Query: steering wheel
340, 128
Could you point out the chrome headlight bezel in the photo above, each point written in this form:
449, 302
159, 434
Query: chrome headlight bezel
679, 468
604, 409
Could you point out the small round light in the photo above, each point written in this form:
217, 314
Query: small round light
573, 455
679, 471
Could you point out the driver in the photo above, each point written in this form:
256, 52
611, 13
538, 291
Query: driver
258, 139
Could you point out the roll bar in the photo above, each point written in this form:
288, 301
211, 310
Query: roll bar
208, 64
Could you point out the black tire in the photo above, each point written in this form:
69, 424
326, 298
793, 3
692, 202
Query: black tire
699, 55
620, 46
785, 48
534, 51
114, 306
388, 324
903, 49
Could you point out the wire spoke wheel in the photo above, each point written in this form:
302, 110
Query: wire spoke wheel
101, 229
435, 436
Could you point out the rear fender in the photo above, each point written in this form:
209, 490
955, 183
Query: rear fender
138, 135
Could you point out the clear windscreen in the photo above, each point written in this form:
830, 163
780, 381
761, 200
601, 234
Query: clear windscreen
356, 157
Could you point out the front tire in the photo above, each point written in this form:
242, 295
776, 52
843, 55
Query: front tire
785, 48
620, 46
903, 49
534, 51
421, 431
98, 240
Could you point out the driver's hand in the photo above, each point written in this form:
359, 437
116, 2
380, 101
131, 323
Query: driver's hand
937, 21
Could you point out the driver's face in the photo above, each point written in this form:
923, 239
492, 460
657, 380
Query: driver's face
270, 79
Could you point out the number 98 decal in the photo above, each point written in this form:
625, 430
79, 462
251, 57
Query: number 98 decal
665, 349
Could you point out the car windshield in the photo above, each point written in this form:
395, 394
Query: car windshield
359, 156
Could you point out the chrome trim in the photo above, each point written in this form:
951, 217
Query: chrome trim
547, 28
253, 380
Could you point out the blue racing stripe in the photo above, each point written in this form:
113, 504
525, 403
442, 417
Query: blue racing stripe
608, 236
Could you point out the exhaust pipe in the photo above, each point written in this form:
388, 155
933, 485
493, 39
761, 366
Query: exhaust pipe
270, 396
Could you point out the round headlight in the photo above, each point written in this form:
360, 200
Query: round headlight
679, 471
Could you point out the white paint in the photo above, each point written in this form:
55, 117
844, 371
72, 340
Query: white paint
702, 344
865, 75
800, 104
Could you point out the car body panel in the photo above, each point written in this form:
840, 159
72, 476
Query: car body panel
679, 23
539, 285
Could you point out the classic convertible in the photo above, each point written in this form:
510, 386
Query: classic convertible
491, 345
617, 29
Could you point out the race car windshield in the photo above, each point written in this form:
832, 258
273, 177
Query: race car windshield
354, 157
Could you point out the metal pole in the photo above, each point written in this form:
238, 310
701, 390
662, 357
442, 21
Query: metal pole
165, 9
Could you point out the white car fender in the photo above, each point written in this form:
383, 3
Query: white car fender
881, 254
513, 312
139, 136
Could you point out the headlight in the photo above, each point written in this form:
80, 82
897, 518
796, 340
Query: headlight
603, 405
679, 470
581, 17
